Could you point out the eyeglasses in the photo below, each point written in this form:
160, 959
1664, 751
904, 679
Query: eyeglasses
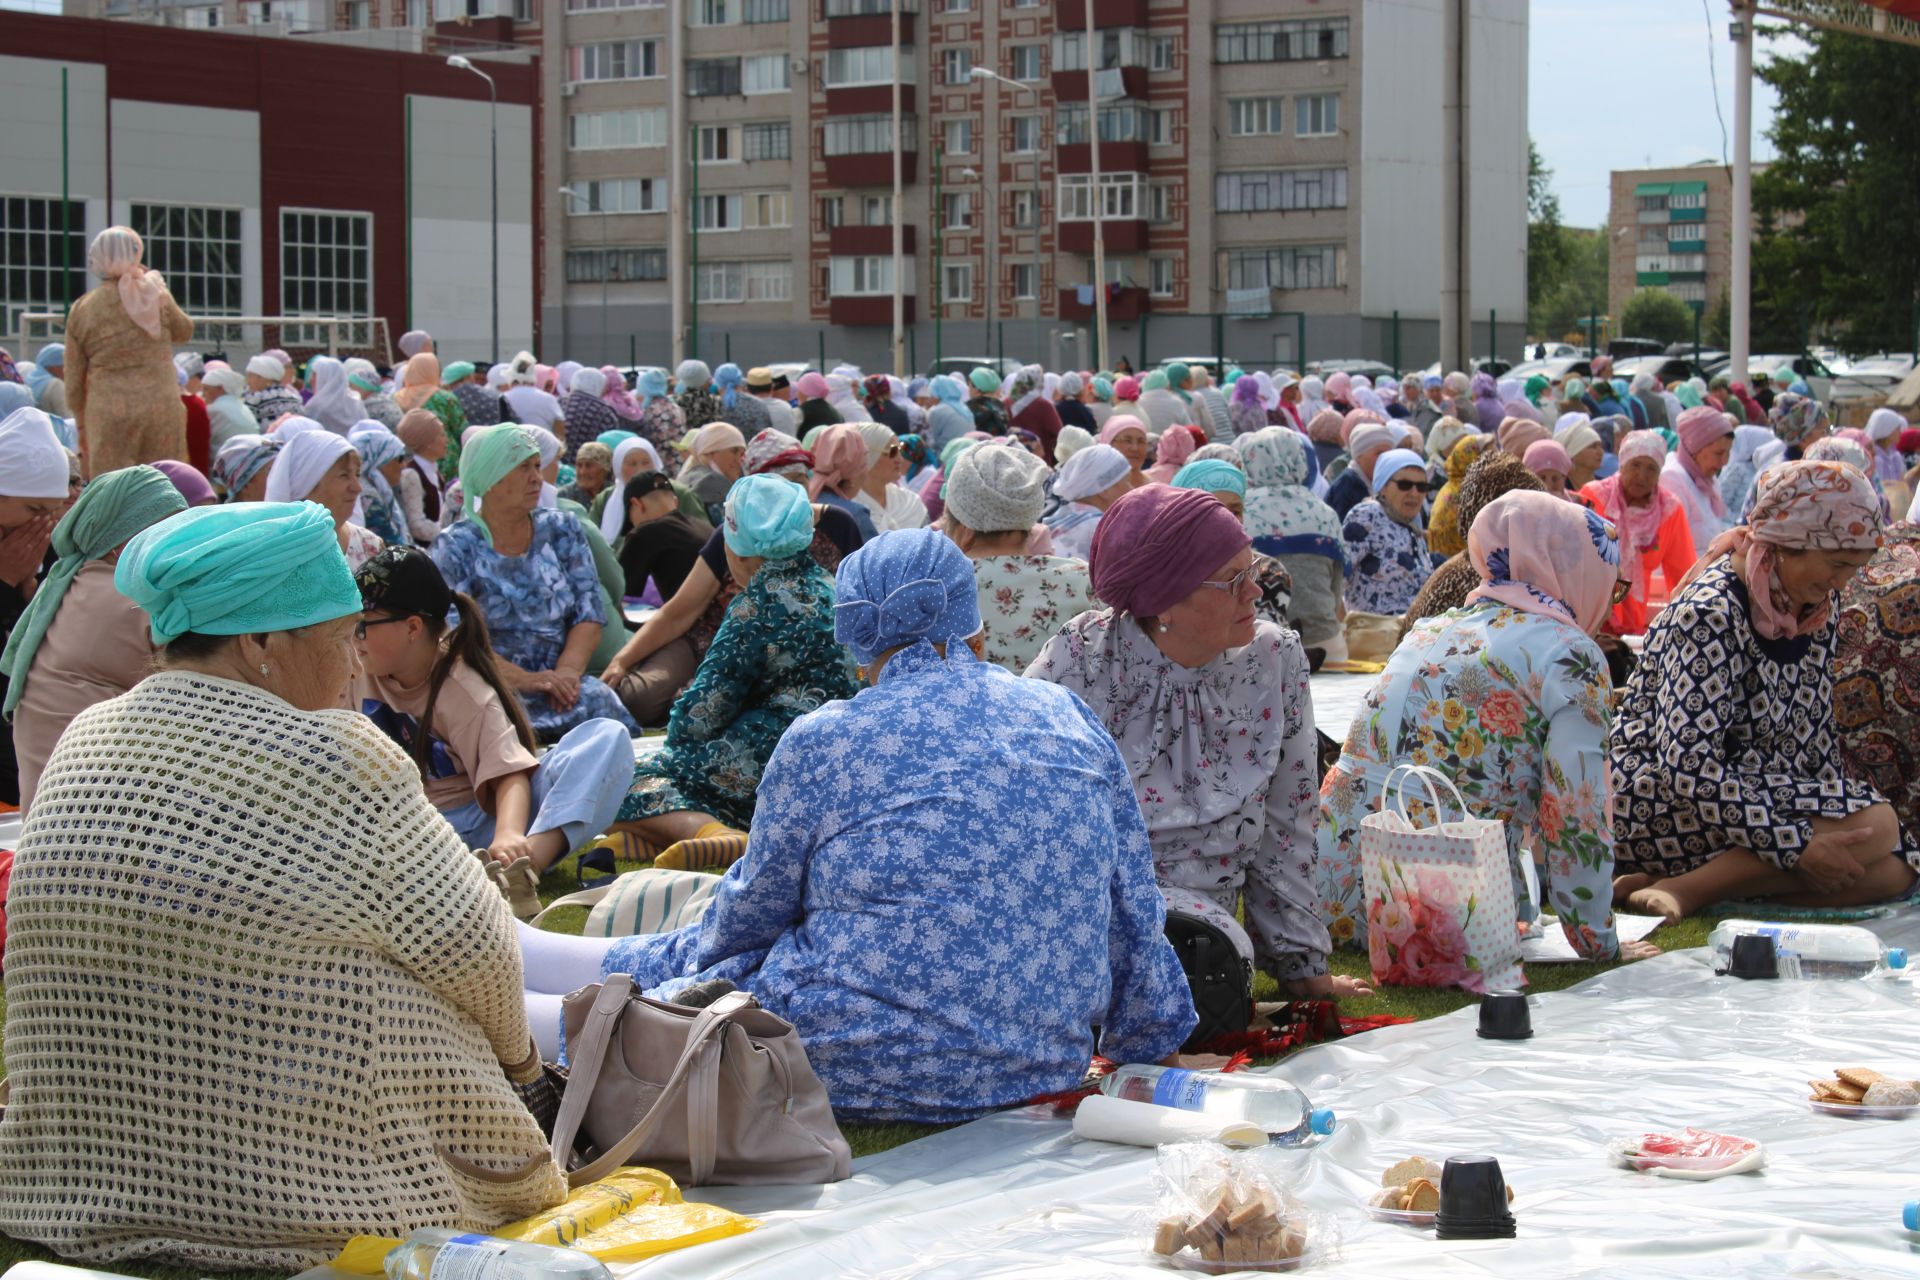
1237, 582
1621, 590
893, 451
1409, 486
360, 627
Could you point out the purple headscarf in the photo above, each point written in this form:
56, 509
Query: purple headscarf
1157, 544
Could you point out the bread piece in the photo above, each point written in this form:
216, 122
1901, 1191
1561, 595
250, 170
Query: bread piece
1407, 1170
1243, 1247
1169, 1237
1423, 1197
1209, 1227
1253, 1217
1213, 1249
1293, 1242
1509, 1187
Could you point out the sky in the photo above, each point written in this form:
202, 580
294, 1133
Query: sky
1629, 84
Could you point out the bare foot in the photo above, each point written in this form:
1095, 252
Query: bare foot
1345, 988
1624, 886
1657, 902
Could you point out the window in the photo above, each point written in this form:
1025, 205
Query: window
718, 213
769, 281
876, 211
1315, 115
866, 135
870, 64
1280, 41
619, 195
772, 141
417, 13
959, 137
1024, 4
1289, 267
956, 6
1160, 277
591, 266
766, 209
326, 269
1119, 47
957, 285
1125, 123
867, 8
607, 130
713, 77
523, 10
721, 282
711, 13
1024, 62
1689, 291
1160, 53
1247, 117
956, 210
588, 6
1280, 189
1026, 134
1160, 203
1689, 200
1020, 205
357, 17
1650, 204
866, 276
957, 66
614, 60
1122, 196
765, 73
757, 11
197, 250
833, 211
1024, 285
1159, 126
715, 144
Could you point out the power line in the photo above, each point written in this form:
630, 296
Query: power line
1713, 75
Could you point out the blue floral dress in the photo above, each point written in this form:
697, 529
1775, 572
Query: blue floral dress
1390, 561
773, 660
1514, 707
531, 601
948, 886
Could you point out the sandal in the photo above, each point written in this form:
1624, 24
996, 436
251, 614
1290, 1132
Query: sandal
518, 885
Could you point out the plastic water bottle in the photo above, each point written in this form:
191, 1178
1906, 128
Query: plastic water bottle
1811, 951
436, 1253
1909, 1216
1267, 1101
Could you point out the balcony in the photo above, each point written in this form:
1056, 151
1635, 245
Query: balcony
868, 99
852, 24
1115, 157
870, 169
850, 240
713, 78
482, 29
1122, 235
1122, 305
1071, 15
870, 309
1071, 86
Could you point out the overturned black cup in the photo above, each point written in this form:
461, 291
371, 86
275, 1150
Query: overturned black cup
1473, 1200
1504, 1015
1753, 957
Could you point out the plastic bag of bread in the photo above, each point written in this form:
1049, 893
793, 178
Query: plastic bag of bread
1219, 1210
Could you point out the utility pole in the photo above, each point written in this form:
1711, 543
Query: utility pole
1740, 334
678, 278
1099, 203
1456, 323
899, 213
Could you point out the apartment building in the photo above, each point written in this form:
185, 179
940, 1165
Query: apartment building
408, 26
1671, 229
1269, 177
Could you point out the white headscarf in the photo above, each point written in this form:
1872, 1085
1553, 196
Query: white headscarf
589, 382
303, 462
115, 256
33, 462
613, 515
333, 406
1092, 470
265, 366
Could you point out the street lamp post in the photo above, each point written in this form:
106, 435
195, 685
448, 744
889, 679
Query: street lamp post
606, 269
459, 63
983, 73
990, 229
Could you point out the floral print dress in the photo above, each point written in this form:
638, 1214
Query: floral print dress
943, 937
774, 660
1389, 560
1876, 673
1024, 600
531, 601
1514, 708
1224, 761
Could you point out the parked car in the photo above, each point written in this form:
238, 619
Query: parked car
1371, 368
1627, 348
1667, 369
1785, 369
1216, 365
961, 366
1479, 364
1559, 367
1550, 351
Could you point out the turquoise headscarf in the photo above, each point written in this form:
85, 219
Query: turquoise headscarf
112, 509
55, 354
768, 516
1156, 381
985, 381
1688, 395
1214, 475
1178, 373
1103, 388
652, 386
947, 389
614, 439
485, 461
237, 569
727, 379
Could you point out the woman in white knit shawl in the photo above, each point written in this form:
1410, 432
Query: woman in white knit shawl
261, 999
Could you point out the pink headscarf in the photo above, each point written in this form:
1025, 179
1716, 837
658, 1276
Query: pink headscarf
811, 387
1353, 419
1548, 455
1805, 506
1326, 427
545, 377
1516, 435
1697, 429
616, 395
1118, 423
1156, 545
1639, 526
1339, 387
1176, 446
1126, 389
115, 256
839, 454
1538, 554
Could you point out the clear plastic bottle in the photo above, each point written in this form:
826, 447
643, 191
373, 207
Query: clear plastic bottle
1811, 951
1267, 1101
436, 1253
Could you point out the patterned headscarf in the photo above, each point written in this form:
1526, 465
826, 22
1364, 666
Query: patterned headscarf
1325, 427
774, 450
242, 458
1795, 417
1539, 554
903, 587
1282, 515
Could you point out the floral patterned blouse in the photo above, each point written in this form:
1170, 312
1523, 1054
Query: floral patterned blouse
1390, 561
1024, 600
1514, 708
1225, 762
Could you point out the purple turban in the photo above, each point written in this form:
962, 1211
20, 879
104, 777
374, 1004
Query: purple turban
1157, 544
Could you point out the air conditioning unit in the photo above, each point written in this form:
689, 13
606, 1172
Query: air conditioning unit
568, 89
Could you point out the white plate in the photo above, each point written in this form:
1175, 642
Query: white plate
1863, 1113
1190, 1260
1401, 1217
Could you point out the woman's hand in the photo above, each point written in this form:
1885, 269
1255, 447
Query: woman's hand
1637, 951
508, 848
615, 672
22, 550
563, 689
1827, 862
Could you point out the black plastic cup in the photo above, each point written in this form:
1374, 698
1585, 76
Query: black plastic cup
1753, 957
1473, 1201
1504, 1015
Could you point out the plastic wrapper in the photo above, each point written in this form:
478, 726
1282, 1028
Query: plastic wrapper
1220, 1211
1693, 1155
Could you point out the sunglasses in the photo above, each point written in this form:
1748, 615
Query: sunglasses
1237, 582
1409, 486
893, 451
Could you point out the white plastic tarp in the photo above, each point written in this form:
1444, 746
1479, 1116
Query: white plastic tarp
1654, 1046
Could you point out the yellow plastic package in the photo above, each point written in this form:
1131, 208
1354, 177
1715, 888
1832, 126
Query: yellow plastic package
633, 1214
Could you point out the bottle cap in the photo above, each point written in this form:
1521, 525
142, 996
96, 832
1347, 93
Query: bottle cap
1897, 959
1910, 1216
1321, 1121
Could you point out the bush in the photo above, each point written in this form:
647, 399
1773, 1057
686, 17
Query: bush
1656, 314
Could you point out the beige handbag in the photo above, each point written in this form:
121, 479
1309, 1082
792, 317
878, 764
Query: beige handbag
754, 1111
1371, 637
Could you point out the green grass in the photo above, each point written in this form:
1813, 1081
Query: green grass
871, 1139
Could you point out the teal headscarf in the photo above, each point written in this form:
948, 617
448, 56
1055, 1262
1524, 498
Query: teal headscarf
112, 509
614, 439
1178, 373
949, 455
236, 569
985, 381
1688, 395
768, 516
949, 390
1214, 475
1103, 388
1156, 381
485, 461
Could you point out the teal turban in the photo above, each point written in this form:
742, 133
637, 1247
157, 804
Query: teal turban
985, 381
1103, 389
1158, 379
458, 371
485, 461
237, 569
768, 516
1177, 373
1214, 475
112, 509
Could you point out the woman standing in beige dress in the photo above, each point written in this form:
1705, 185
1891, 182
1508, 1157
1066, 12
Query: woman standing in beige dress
121, 383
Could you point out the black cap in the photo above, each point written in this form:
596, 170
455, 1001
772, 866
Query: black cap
404, 580
645, 483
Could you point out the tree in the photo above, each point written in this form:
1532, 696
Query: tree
1718, 332
1656, 314
1844, 258
1548, 253
1582, 288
